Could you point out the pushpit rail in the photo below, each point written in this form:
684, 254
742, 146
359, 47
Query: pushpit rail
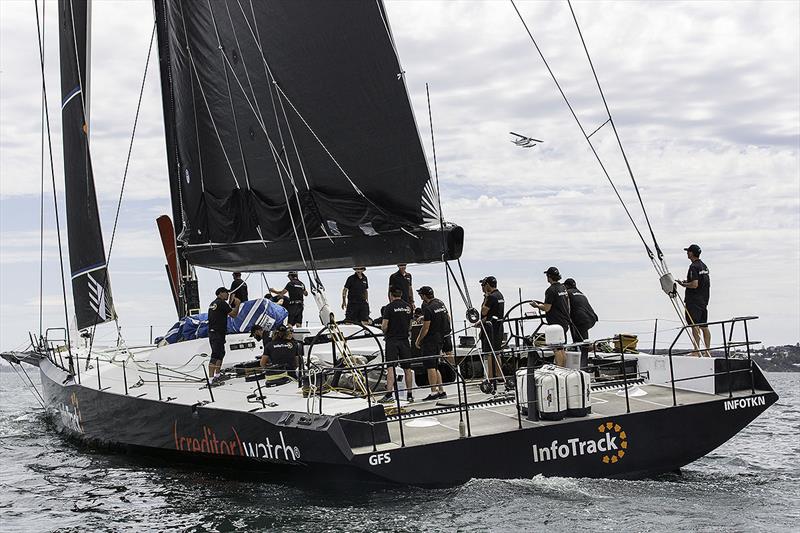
727, 344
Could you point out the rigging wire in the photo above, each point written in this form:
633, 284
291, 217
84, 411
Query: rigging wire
660, 266
309, 128
268, 72
41, 197
616, 134
274, 151
588, 140
124, 180
316, 282
55, 196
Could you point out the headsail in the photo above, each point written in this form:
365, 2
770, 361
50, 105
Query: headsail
91, 287
287, 121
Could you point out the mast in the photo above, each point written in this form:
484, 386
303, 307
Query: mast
91, 286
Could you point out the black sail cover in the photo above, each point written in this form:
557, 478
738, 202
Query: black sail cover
288, 120
91, 287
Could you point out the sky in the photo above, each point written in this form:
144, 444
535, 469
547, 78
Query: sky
705, 97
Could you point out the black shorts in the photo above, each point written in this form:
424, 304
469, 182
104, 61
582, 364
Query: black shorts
492, 340
217, 342
447, 344
696, 314
357, 312
398, 350
431, 349
295, 314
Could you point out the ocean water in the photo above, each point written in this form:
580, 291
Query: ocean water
47, 483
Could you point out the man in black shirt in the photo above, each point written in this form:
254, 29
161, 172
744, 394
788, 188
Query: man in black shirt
355, 297
402, 280
491, 325
556, 308
435, 325
239, 287
218, 313
698, 288
283, 352
396, 323
295, 290
582, 318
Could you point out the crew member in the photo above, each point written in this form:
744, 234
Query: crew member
395, 324
698, 288
355, 297
402, 280
556, 308
491, 325
218, 313
239, 287
435, 325
296, 290
257, 332
582, 318
283, 352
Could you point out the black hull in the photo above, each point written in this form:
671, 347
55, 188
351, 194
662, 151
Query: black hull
287, 446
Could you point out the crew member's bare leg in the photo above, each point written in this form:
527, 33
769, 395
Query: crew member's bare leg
560, 357
389, 380
409, 381
696, 341
707, 340
434, 380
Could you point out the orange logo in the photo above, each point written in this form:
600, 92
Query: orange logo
617, 451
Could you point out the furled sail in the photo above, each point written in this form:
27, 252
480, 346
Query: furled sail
91, 287
289, 123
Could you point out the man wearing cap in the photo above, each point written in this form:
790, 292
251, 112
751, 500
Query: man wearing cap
355, 297
296, 290
402, 280
698, 288
435, 325
491, 325
239, 287
582, 318
218, 313
395, 324
556, 308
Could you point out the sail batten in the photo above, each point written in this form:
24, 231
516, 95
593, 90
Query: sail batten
291, 126
91, 286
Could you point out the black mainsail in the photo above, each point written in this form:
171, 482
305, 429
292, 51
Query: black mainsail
91, 287
288, 124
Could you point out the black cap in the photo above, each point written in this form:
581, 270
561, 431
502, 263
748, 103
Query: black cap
553, 273
293, 274
695, 249
362, 269
491, 280
425, 291
569, 283
221, 290
237, 274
